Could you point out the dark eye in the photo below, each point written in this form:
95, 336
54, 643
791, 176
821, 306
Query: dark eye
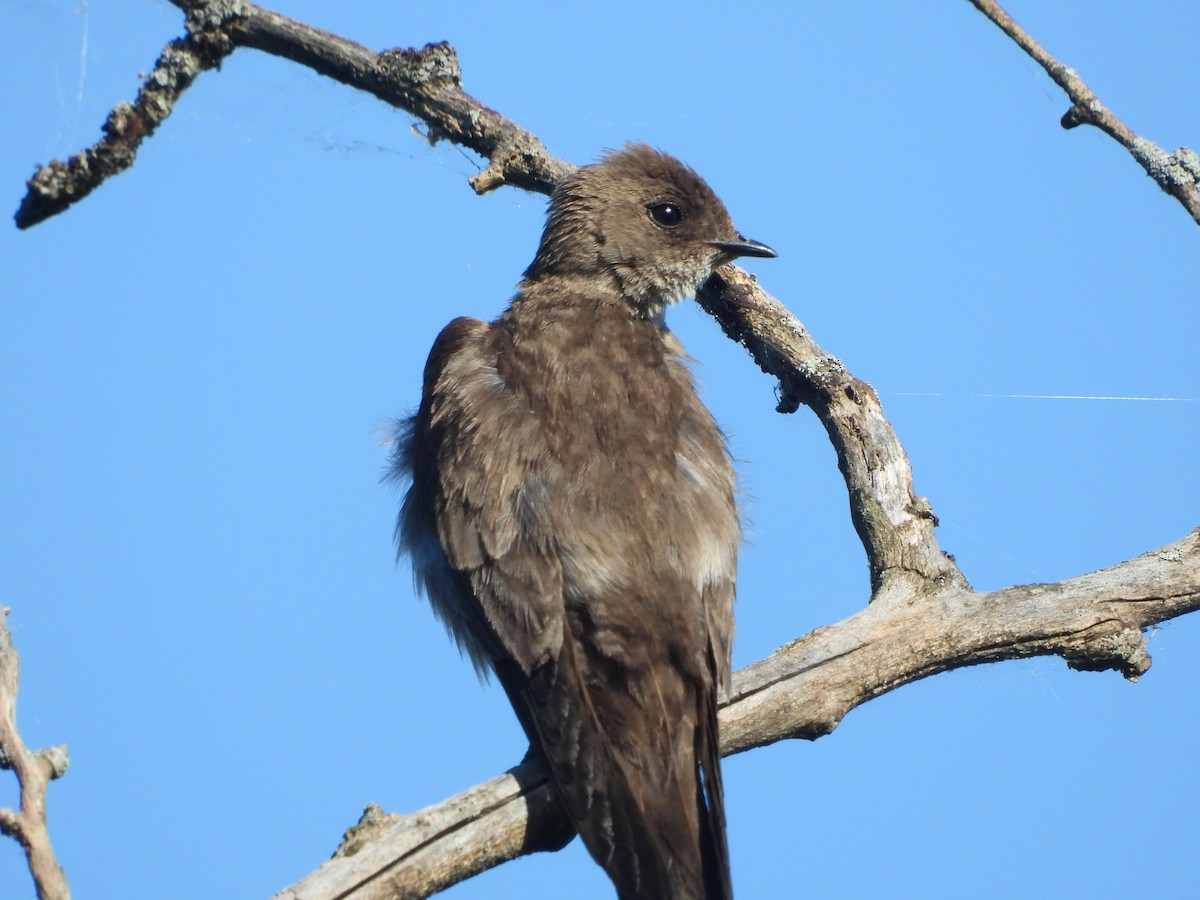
666, 214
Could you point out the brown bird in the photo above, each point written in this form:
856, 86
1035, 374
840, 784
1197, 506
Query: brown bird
571, 517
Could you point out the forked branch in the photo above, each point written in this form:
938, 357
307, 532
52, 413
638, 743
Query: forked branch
923, 618
34, 769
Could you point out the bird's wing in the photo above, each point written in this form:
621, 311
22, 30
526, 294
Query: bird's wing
469, 451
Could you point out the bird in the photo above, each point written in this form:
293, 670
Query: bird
571, 517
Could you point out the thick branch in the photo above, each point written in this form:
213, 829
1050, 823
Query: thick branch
894, 524
1093, 621
803, 690
412, 856
1177, 173
34, 770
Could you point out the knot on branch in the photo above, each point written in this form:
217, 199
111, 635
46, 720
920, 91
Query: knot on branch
521, 160
1173, 171
181, 61
923, 509
433, 63
210, 16
10, 823
1080, 114
54, 760
125, 123
1190, 161
813, 380
373, 822
1123, 651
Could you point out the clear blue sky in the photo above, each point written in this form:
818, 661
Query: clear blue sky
196, 361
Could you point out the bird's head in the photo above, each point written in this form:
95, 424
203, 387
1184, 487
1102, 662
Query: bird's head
644, 224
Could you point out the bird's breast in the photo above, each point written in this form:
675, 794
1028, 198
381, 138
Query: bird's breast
632, 475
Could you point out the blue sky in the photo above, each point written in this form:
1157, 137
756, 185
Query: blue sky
196, 363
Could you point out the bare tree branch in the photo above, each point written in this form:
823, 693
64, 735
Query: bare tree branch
923, 618
420, 853
894, 524
1177, 173
803, 690
57, 185
34, 770
426, 83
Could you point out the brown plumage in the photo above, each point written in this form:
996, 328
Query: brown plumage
572, 520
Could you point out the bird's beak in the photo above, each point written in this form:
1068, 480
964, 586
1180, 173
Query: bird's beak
743, 247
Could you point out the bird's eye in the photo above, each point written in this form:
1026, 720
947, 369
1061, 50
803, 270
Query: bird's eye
666, 214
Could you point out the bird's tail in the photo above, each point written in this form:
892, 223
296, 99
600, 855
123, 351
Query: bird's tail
636, 760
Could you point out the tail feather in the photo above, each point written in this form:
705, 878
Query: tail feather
636, 760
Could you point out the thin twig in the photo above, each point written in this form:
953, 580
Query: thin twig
34, 770
57, 185
1176, 173
425, 82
